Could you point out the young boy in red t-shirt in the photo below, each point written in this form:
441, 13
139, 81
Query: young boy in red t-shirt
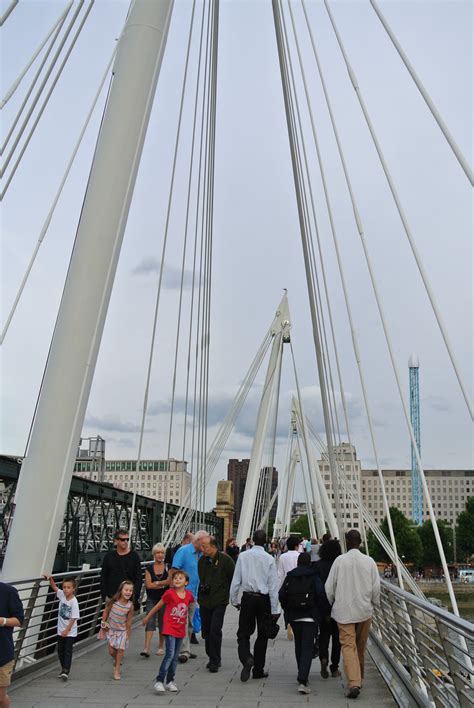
175, 622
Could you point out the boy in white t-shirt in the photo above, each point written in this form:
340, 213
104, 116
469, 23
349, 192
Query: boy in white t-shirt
68, 614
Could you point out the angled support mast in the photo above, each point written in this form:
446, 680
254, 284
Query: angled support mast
46, 472
281, 334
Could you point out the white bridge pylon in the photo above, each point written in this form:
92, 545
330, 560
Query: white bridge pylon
317, 499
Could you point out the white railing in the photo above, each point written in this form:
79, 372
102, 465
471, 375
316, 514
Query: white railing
429, 648
35, 641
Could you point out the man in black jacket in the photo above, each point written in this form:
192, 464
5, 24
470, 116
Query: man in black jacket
119, 565
216, 570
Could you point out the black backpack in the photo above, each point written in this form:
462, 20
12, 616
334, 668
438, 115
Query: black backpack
300, 592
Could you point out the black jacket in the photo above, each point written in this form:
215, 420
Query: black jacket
322, 569
321, 605
116, 568
215, 577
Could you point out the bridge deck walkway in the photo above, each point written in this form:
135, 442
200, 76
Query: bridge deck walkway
91, 684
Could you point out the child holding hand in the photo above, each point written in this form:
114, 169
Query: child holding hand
176, 601
68, 614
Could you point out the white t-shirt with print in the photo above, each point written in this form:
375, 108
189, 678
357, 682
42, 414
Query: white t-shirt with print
68, 609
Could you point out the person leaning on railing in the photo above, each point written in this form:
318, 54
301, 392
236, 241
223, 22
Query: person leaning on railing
11, 615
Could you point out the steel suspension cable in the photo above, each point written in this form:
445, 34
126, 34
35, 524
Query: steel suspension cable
8, 11
158, 292
183, 263
29, 91
31, 61
276, 5
386, 333
43, 105
403, 217
50, 214
222, 436
426, 97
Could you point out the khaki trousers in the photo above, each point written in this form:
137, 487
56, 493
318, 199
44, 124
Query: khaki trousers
353, 638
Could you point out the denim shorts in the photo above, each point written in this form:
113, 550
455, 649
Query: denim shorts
156, 619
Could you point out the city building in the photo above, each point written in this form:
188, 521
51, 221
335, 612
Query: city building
153, 476
449, 489
237, 473
346, 457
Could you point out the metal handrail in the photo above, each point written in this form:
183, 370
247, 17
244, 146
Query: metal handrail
426, 647
429, 648
35, 641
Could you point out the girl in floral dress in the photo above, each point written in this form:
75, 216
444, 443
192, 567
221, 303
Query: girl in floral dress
116, 624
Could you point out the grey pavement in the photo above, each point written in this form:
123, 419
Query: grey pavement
91, 684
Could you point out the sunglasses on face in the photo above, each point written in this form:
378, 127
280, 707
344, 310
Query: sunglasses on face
123, 539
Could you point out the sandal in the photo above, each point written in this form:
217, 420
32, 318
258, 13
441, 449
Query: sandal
145, 654
160, 652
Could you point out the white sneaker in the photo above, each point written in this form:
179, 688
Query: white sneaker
171, 686
160, 687
303, 689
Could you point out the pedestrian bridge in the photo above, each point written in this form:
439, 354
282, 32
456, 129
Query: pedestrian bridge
419, 655
91, 683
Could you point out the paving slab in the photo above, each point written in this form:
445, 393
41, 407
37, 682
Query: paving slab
91, 683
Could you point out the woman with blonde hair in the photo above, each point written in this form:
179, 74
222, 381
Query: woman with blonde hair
156, 582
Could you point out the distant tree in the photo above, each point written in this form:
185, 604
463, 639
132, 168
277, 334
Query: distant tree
465, 531
301, 526
406, 538
430, 550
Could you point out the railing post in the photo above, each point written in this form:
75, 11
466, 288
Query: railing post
28, 614
448, 643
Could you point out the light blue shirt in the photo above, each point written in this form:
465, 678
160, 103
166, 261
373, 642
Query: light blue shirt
255, 571
186, 558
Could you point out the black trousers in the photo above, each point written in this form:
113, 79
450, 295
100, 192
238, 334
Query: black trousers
304, 633
329, 630
211, 629
65, 645
253, 610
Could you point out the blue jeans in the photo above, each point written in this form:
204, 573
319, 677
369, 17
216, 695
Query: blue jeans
168, 665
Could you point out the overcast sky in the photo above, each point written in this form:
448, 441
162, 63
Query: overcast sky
257, 246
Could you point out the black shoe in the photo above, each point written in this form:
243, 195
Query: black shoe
182, 658
64, 676
324, 668
194, 639
336, 673
245, 673
213, 668
353, 692
259, 676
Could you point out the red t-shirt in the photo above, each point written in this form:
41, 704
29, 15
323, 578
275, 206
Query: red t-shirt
175, 619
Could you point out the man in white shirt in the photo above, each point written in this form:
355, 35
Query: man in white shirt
255, 580
353, 585
289, 560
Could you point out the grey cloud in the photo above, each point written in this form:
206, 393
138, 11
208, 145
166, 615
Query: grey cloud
171, 274
112, 423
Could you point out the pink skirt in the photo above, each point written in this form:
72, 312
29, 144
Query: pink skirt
118, 638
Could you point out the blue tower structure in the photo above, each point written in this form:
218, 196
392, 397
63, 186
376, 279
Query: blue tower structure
416, 488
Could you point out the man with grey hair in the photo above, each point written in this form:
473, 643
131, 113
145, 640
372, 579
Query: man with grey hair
186, 558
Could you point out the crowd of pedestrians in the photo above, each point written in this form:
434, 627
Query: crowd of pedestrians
327, 598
